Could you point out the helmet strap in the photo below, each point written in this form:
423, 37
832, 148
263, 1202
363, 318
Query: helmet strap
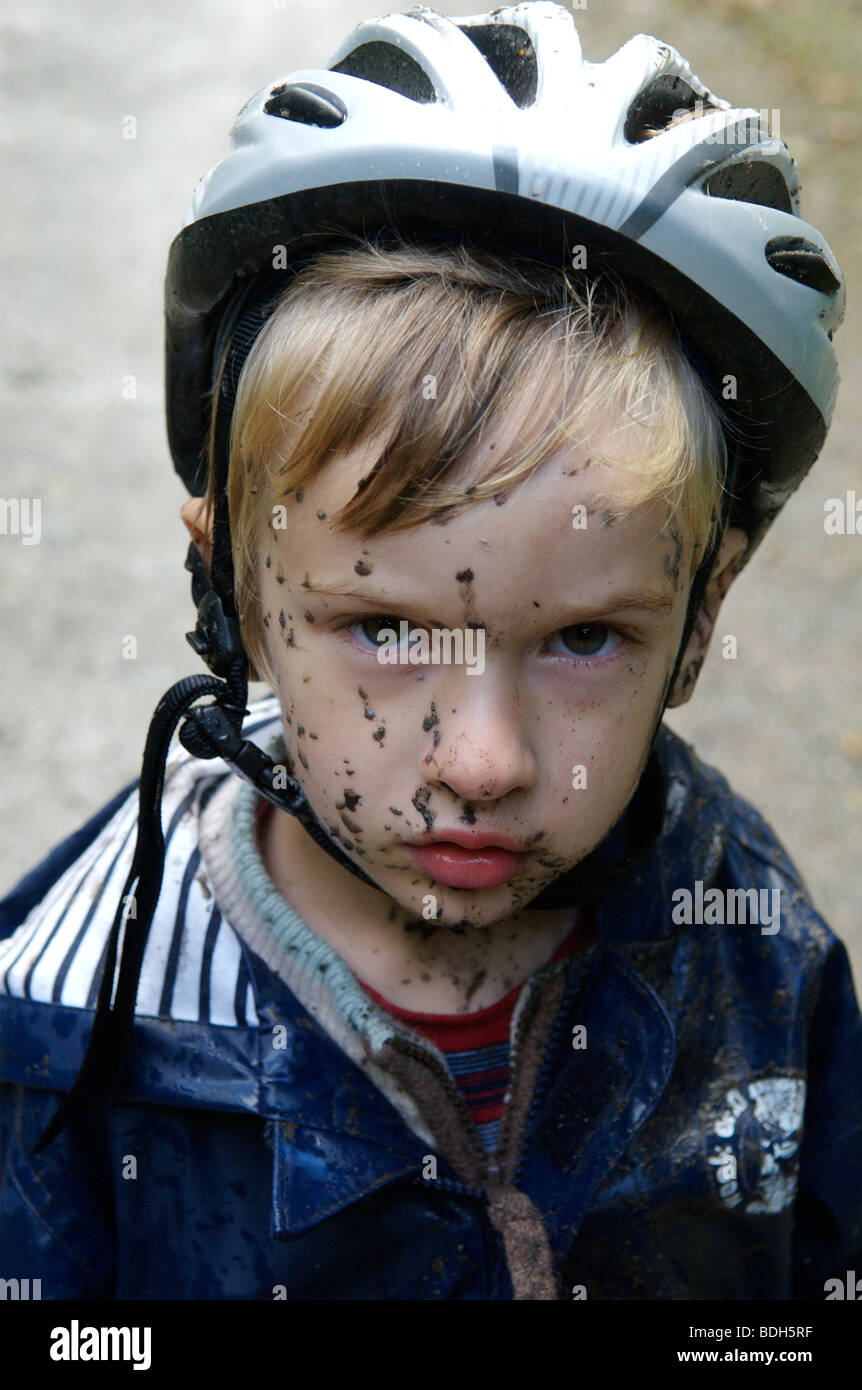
208, 732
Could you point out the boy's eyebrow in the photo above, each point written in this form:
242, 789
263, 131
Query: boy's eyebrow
647, 600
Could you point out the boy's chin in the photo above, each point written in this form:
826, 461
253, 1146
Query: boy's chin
447, 909
451, 923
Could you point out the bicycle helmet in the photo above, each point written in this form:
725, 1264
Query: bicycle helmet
492, 127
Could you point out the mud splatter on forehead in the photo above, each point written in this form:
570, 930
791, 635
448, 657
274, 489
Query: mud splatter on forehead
465, 580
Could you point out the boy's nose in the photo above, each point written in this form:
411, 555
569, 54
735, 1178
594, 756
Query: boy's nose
482, 753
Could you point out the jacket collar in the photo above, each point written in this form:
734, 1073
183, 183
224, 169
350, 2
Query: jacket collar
601, 1096
698, 813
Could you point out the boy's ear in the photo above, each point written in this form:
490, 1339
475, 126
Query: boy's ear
199, 523
729, 558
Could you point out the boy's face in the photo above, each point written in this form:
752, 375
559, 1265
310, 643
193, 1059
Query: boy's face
541, 746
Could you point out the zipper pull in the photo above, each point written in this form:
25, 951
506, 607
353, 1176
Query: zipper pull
493, 1178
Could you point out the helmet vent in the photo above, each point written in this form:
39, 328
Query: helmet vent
751, 181
306, 102
657, 106
388, 66
801, 260
509, 52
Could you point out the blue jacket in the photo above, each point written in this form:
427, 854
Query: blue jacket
706, 1143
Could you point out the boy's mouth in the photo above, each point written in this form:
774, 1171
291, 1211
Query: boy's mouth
462, 859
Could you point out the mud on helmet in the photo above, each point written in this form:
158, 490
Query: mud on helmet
458, 127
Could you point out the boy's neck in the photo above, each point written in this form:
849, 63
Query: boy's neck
428, 971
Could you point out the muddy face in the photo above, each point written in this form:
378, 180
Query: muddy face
544, 746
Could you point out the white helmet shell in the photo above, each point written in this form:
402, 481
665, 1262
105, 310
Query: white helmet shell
495, 125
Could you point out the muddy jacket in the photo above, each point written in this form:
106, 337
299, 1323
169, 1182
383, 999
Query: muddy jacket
685, 1107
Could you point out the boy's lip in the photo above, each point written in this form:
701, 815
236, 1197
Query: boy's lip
468, 839
470, 860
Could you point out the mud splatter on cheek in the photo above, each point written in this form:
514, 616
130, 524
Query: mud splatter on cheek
420, 800
296, 750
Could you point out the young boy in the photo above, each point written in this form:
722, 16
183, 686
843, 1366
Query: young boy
479, 985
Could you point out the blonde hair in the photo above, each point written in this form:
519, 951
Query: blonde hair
428, 346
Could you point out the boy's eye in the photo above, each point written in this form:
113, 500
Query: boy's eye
581, 639
587, 639
377, 629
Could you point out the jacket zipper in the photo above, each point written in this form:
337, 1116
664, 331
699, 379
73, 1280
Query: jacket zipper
489, 1162
543, 1080
454, 1096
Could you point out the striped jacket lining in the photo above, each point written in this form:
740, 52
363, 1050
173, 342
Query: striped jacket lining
194, 968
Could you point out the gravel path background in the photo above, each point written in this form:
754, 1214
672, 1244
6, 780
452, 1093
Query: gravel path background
89, 216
